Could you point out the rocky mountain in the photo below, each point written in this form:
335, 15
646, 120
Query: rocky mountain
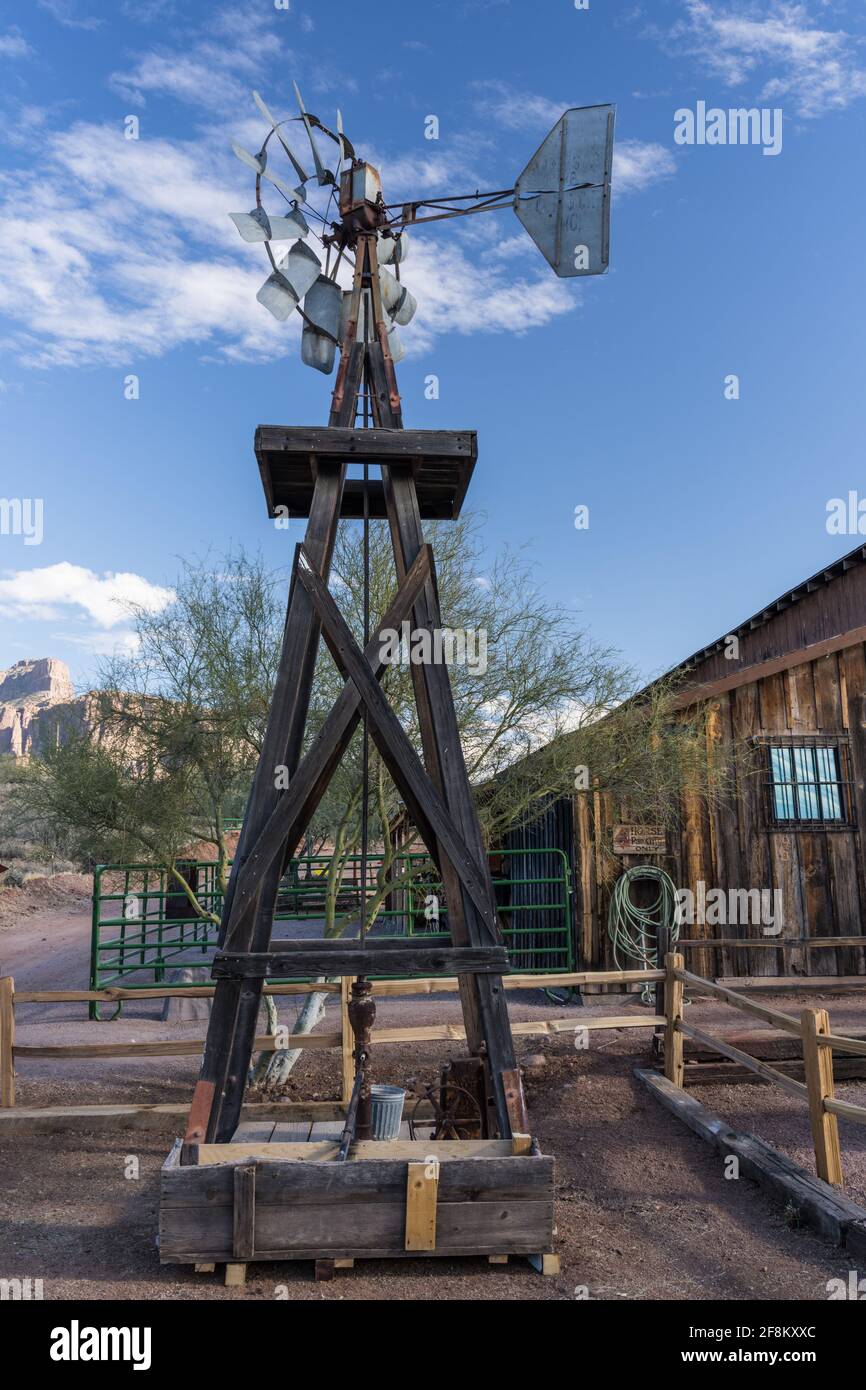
28, 691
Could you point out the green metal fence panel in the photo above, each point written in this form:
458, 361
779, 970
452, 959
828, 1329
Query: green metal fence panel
143, 922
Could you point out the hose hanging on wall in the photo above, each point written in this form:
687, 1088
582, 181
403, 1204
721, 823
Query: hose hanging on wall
633, 930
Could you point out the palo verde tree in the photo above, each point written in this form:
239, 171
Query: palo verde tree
161, 752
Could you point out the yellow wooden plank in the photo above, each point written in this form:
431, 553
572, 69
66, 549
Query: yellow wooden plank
115, 992
447, 984
233, 1153
7, 1042
347, 1039
818, 1067
325, 1150
266, 1042
673, 1017
422, 1194
846, 1109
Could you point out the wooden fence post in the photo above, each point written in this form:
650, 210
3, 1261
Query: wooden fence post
673, 1013
663, 946
818, 1064
346, 1038
7, 1041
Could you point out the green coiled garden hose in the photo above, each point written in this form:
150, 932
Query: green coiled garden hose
633, 930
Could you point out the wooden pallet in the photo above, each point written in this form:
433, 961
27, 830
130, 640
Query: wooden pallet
278, 1192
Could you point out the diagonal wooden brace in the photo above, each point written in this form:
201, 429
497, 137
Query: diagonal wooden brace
293, 811
393, 743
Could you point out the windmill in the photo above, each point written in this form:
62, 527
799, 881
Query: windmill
562, 198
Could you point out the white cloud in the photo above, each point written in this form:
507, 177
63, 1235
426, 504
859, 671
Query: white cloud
215, 73
119, 248
780, 46
14, 45
462, 295
117, 642
67, 13
638, 163
55, 591
516, 110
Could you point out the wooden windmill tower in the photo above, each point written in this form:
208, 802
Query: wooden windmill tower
562, 198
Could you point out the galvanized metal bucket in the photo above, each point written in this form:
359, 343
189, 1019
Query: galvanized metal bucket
387, 1111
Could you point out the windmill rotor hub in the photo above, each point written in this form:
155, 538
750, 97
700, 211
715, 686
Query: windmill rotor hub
362, 207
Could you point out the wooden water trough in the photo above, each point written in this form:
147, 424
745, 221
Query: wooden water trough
264, 1198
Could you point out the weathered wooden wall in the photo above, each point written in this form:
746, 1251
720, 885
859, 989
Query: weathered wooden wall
819, 872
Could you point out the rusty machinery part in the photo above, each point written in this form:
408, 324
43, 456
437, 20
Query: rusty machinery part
456, 1112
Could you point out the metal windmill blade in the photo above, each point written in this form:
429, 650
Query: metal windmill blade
256, 162
323, 309
399, 304
294, 195
290, 280
276, 130
258, 225
322, 174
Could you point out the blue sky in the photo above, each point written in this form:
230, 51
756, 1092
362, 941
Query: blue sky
117, 257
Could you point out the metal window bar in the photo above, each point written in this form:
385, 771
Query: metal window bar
808, 783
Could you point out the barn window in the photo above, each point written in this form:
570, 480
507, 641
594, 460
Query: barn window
808, 783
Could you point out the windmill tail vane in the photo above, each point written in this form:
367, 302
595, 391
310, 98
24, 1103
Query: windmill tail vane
562, 199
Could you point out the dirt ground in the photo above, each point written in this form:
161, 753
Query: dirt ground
643, 1210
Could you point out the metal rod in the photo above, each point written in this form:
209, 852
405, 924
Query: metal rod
348, 1134
455, 212
453, 198
365, 747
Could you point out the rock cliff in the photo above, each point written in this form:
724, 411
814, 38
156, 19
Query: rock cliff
27, 691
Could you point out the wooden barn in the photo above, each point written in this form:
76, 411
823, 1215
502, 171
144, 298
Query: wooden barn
788, 698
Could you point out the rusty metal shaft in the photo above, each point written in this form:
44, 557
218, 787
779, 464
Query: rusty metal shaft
362, 1016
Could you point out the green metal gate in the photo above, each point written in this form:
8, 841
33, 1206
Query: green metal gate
143, 923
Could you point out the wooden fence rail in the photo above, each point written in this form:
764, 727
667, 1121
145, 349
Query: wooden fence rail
817, 1041
340, 1040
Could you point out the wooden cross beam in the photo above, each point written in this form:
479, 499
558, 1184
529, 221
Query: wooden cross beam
403, 763
291, 815
353, 958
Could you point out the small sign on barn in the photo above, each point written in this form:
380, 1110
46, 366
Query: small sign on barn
639, 839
